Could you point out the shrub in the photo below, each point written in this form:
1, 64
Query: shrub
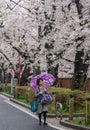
1, 88
61, 95
7, 88
79, 99
20, 92
24, 92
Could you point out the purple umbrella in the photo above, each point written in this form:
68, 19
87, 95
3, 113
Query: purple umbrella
48, 80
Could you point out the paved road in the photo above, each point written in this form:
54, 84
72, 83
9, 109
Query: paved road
12, 118
16, 117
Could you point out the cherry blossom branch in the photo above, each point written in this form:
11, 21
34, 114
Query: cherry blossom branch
17, 3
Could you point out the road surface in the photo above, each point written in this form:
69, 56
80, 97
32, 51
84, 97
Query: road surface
14, 117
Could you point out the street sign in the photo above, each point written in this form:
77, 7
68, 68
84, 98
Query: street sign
14, 83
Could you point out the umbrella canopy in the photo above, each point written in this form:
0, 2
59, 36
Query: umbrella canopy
48, 80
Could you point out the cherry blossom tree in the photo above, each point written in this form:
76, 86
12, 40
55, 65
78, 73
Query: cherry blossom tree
50, 36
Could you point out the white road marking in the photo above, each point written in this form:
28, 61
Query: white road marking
4, 97
29, 113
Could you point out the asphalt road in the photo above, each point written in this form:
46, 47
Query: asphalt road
12, 118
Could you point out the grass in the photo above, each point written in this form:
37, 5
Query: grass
7, 92
80, 121
80, 110
23, 101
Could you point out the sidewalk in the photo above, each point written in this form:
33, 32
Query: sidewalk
56, 122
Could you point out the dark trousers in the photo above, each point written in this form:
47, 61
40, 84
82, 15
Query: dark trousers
44, 116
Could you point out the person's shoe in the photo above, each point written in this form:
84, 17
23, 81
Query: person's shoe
45, 123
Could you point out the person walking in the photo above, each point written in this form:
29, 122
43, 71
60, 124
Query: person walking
42, 108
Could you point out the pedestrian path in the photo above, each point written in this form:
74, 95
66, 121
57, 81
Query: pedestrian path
55, 122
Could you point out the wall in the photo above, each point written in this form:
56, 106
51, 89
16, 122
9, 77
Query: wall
67, 83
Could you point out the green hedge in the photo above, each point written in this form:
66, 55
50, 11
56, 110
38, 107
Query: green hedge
5, 88
23, 92
1, 87
62, 95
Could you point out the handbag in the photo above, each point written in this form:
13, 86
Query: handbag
47, 99
34, 106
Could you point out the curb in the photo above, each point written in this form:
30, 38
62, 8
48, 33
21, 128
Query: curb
27, 106
74, 126
7, 95
19, 103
